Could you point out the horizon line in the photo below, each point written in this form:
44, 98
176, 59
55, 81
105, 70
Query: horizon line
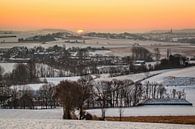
97, 31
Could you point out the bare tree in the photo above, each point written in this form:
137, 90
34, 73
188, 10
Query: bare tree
103, 92
32, 70
86, 90
1, 73
141, 53
26, 97
46, 94
174, 93
121, 111
138, 93
20, 74
13, 102
121, 104
68, 92
157, 54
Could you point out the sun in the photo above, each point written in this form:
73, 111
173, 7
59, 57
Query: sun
80, 31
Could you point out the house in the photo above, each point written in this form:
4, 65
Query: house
138, 66
166, 101
139, 63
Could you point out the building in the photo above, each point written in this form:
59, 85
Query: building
166, 101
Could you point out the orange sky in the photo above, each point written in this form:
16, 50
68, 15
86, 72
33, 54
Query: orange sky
97, 15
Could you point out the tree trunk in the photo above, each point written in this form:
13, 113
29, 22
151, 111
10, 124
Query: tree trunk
66, 114
81, 112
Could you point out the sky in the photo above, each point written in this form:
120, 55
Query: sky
97, 15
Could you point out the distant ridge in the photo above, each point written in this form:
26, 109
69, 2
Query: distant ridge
40, 31
174, 31
54, 30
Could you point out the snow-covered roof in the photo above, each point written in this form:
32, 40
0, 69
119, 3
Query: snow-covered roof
167, 101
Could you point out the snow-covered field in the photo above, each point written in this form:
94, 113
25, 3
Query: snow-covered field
100, 52
56, 80
185, 72
34, 87
133, 77
161, 77
53, 80
71, 124
88, 42
31, 114
148, 111
51, 119
118, 47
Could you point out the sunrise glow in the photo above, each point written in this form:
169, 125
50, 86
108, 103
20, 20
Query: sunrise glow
80, 31
97, 15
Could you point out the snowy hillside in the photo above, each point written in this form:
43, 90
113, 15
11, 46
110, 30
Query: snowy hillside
52, 118
180, 79
133, 77
182, 74
54, 80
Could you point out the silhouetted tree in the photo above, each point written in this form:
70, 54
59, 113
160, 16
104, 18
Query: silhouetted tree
86, 90
46, 94
141, 53
157, 54
68, 92
21, 74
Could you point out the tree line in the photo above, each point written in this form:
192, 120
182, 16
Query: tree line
89, 94
86, 93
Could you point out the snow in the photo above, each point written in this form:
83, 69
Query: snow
179, 79
40, 67
7, 67
155, 110
46, 70
189, 90
118, 47
133, 77
73, 124
184, 72
34, 87
57, 80
100, 52
160, 110
166, 101
52, 119
54, 80
10, 39
31, 114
